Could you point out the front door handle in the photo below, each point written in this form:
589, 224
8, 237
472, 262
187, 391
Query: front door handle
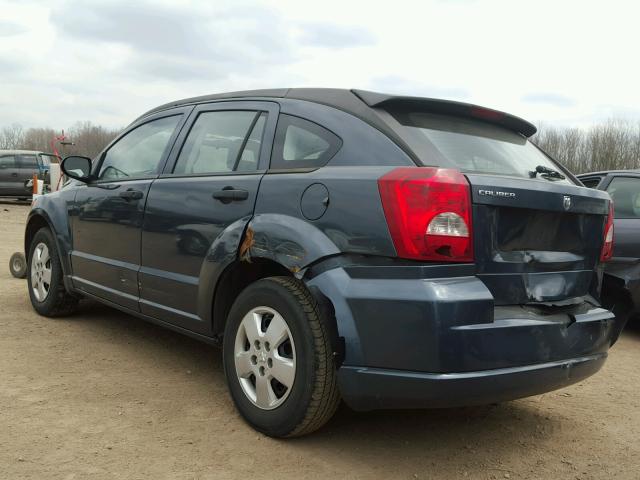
131, 194
14, 174
230, 194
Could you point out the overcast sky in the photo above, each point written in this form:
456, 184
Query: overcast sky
557, 62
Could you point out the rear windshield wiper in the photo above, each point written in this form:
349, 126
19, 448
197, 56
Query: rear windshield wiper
546, 172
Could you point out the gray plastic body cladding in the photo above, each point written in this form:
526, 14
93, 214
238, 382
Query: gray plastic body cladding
451, 325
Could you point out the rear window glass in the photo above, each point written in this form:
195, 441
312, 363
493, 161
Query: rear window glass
472, 146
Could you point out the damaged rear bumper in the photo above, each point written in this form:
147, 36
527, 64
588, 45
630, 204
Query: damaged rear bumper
366, 388
436, 342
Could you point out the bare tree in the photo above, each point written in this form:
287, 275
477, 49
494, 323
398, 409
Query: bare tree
612, 145
38, 139
87, 139
11, 137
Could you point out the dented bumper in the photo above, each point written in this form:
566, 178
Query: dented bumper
447, 331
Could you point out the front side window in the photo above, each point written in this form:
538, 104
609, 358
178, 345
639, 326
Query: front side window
625, 192
222, 141
7, 161
300, 143
139, 152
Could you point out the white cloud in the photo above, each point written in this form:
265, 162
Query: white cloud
570, 62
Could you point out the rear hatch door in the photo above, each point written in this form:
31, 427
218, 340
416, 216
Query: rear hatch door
536, 240
537, 233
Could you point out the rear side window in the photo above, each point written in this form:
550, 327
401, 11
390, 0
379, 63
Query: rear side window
300, 143
222, 141
625, 192
27, 161
472, 146
7, 161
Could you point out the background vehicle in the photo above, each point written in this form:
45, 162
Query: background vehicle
621, 284
394, 251
17, 168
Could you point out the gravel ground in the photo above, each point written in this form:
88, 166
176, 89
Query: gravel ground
105, 395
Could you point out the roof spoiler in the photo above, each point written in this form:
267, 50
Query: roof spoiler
447, 107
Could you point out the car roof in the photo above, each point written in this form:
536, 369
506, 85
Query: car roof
20, 152
607, 172
362, 104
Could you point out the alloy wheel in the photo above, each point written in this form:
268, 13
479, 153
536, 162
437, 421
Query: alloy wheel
41, 272
265, 357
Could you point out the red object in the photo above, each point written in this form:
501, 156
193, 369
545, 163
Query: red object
428, 211
54, 140
607, 246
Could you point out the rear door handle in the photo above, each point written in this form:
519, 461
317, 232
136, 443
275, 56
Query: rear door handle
131, 194
230, 194
14, 174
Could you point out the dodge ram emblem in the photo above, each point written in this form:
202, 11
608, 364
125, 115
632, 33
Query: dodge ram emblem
566, 202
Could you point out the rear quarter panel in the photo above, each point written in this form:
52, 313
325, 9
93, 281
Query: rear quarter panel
353, 221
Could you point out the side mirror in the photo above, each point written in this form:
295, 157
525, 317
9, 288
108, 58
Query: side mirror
77, 167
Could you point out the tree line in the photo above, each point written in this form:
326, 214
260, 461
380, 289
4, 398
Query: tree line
614, 144
88, 139
611, 145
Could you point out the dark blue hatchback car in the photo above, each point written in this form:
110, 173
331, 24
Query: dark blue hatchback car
390, 251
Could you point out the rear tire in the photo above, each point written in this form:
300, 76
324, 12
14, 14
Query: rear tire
282, 308
47, 292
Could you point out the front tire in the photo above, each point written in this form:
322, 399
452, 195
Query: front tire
278, 359
46, 287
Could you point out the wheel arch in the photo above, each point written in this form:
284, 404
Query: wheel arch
35, 222
242, 273
38, 218
237, 276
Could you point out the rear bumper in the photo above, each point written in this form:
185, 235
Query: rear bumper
451, 324
366, 388
441, 341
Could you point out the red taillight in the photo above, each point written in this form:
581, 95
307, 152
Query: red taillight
428, 211
607, 246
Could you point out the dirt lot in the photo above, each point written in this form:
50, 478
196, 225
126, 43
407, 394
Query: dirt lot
105, 395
